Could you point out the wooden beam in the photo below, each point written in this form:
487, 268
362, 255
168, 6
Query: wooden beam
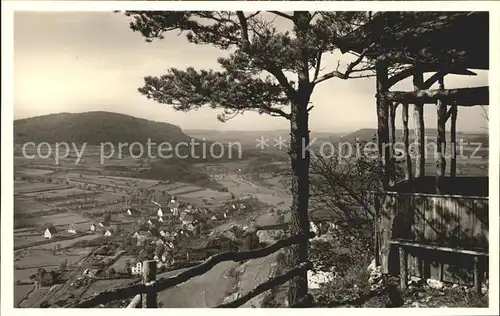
440, 140
406, 140
135, 302
419, 245
382, 118
405, 73
453, 130
461, 97
418, 114
442, 73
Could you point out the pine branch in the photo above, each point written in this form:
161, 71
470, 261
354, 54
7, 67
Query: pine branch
350, 69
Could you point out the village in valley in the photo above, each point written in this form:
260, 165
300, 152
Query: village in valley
80, 229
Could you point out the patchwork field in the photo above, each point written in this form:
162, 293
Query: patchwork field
58, 192
21, 292
28, 205
204, 197
34, 297
120, 264
34, 258
33, 172
63, 220
67, 242
105, 285
24, 187
24, 241
28, 261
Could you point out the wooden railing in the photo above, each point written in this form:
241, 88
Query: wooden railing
145, 295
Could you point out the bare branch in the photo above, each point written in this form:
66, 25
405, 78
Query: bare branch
349, 70
318, 65
485, 113
283, 15
244, 29
400, 76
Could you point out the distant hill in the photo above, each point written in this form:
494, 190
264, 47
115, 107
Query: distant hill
367, 134
94, 128
249, 138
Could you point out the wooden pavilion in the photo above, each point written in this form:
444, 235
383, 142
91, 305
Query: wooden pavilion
438, 223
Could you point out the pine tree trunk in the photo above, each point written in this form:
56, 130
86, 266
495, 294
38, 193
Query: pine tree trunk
300, 159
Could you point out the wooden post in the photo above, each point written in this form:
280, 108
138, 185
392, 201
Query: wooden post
376, 228
406, 140
420, 267
382, 117
392, 125
403, 267
441, 271
441, 140
418, 81
453, 130
148, 278
477, 275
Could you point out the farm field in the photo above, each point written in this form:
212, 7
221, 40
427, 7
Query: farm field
34, 258
33, 172
105, 285
120, 264
108, 180
197, 197
62, 219
28, 205
27, 262
21, 291
59, 192
67, 242
183, 190
23, 240
35, 297
24, 187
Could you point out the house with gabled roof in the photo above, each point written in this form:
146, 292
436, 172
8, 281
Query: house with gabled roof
217, 217
159, 242
187, 218
49, 232
71, 229
174, 206
159, 213
155, 232
132, 211
143, 234
154, 222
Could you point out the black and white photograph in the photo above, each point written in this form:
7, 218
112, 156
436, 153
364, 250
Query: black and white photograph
155, 157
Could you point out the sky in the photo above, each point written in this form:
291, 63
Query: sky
92, 61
